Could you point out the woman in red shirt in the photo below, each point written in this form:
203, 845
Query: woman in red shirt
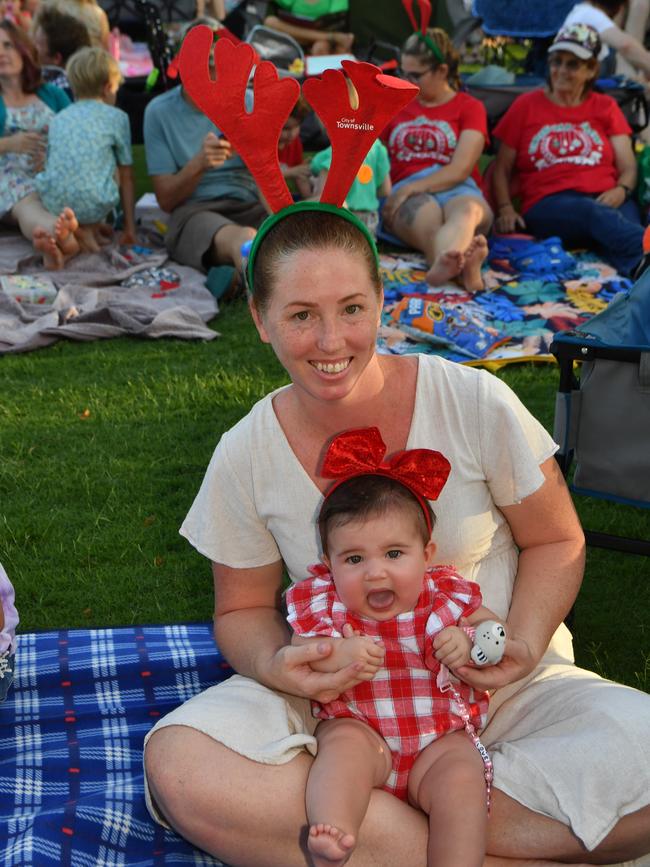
434, 144
572, 153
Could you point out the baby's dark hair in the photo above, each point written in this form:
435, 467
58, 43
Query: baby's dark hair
364, 497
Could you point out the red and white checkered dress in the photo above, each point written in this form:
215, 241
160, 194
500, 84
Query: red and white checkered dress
403, 702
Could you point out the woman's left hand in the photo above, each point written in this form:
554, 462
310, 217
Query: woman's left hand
613, 198
517, 662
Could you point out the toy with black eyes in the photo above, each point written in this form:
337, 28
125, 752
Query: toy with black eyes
489, 643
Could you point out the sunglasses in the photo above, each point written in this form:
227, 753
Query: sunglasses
573, 65
414, 77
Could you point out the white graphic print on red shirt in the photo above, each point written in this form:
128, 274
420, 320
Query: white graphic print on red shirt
579, 144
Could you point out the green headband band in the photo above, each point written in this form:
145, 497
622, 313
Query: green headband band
431, 45
274, 219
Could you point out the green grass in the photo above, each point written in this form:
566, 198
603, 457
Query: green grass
104, 446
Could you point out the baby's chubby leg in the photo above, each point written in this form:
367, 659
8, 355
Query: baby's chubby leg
447, 782
352, 759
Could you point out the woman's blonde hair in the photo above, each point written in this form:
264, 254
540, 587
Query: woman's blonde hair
415, 46
89, 70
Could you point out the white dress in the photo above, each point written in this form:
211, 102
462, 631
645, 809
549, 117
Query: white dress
565, 742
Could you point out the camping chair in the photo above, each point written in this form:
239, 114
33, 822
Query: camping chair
602, 418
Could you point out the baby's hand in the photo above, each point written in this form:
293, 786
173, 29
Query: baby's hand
367, 655
452, 647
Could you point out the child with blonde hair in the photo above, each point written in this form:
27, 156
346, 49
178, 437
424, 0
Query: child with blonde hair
100, 176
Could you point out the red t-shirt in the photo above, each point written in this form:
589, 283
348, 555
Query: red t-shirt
423, 136
291, 154
562, 148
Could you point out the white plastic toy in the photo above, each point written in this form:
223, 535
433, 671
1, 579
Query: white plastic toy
489, 643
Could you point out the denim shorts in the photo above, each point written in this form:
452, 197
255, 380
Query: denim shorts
468, 187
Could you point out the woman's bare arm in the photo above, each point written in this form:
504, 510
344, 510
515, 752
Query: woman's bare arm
507, 218
551, 542
629, 47
253, 635
625, 172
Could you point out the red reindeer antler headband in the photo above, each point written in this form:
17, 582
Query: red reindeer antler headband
421, 31
255, 135
361, 452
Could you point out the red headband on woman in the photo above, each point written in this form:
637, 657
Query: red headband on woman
361, 452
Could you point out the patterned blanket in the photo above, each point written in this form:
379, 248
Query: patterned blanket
71, 732
528, 298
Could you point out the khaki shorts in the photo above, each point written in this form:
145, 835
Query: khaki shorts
192, 227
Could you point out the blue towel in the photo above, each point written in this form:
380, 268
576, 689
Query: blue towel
71, 733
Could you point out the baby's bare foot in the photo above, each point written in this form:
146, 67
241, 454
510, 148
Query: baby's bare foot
64, 232
329, 846
47, 247
474, 256
447, 266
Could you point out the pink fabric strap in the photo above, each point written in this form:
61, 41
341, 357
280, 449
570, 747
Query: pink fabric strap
444, 683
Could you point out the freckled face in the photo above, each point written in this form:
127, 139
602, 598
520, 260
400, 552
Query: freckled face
378, 565
321, 320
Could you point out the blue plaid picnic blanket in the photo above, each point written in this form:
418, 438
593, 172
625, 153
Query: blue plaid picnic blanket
71, 733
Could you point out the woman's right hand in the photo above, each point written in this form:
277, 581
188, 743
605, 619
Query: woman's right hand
31, 143
290, 671
508, 220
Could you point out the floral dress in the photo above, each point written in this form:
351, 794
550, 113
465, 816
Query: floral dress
17, 169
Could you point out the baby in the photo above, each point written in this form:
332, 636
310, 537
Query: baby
408, 727
89, 144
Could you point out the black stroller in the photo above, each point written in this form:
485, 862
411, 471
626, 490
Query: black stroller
602, 418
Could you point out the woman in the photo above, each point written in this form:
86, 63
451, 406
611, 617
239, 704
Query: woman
26, 108
434, 145
228, 769
572, 154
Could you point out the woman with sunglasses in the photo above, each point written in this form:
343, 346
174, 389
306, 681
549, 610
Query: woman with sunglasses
570, 151
434, 144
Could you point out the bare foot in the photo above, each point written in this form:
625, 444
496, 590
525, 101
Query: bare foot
47, 247
87, 239
329, 847
447, 266
474, 256
64, 232
104, 234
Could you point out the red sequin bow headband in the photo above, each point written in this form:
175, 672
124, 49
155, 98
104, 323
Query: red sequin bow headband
361, 452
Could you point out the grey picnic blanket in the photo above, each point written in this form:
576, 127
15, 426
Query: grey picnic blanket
93, 304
